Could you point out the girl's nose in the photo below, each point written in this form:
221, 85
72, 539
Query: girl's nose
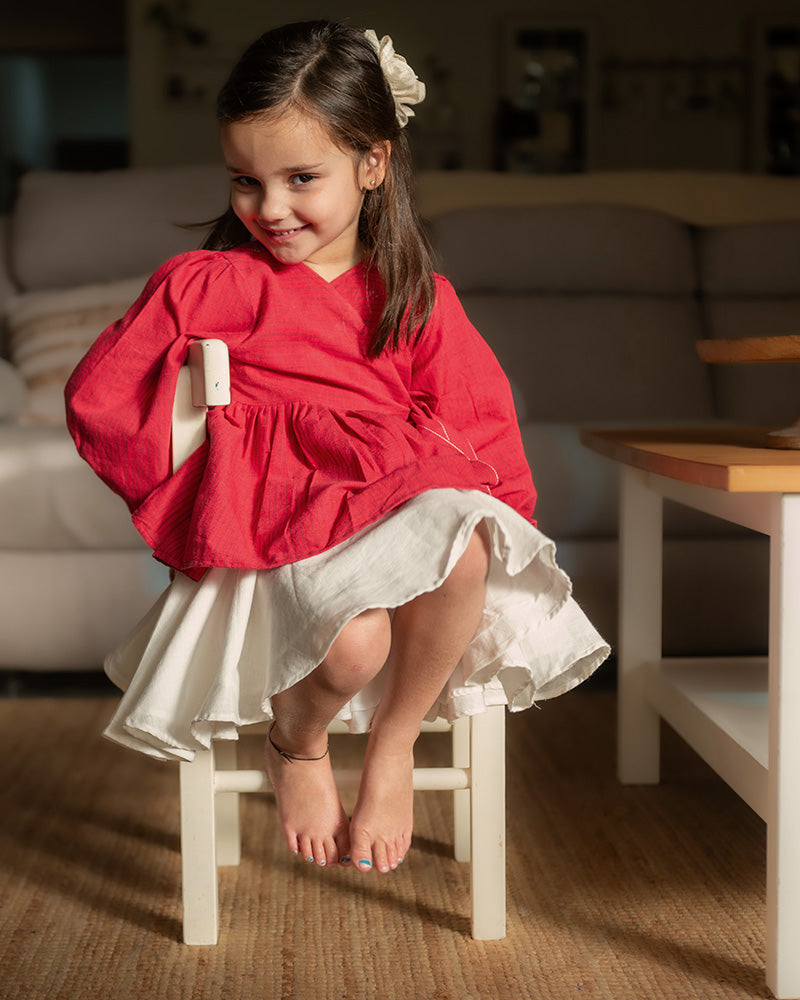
273, 205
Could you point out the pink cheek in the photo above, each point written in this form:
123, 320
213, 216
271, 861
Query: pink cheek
237, 210
244, 207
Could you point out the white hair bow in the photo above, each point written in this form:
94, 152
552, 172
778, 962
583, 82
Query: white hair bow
406, 88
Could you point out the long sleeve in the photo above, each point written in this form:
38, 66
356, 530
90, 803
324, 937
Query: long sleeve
318, 441
457, 379
119, 399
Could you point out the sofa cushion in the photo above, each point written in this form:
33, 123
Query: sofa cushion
715, 598
565, 248
77, 228
578, 490
66, 610
51, 331
50, 498
758, 259
598, 357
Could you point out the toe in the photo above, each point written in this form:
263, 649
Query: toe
379, 857
342, 845
331, 852
361, 851
403, 847
306, 849
319, 853
385, 857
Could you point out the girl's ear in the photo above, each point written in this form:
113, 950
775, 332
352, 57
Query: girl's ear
373, 167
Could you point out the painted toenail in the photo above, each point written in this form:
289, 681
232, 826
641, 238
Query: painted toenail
322, 864
346, 860
365, 864
309, 859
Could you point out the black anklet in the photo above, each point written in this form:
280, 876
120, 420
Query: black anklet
290, 756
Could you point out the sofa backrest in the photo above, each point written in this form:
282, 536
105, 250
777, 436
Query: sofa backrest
73, 229
751, 283
591, 309
604, 296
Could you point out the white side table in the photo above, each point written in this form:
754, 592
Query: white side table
741, 715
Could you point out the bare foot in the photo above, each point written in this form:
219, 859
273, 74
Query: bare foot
312, 818
380, 830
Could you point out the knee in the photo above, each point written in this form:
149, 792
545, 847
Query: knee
359, 651
472, 568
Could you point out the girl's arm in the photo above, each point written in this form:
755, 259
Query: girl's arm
457, 377
119, 398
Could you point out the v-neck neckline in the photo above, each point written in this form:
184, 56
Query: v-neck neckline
339, 277
359, 266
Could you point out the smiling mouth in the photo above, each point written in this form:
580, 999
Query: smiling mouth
283, 233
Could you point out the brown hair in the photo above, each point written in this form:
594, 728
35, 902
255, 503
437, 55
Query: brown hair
332, 71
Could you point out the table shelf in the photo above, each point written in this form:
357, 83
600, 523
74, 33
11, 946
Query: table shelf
719, 706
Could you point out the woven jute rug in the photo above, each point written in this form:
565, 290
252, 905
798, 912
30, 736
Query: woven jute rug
613, 892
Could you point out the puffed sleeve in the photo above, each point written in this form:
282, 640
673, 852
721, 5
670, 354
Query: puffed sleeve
458, 380
119, 398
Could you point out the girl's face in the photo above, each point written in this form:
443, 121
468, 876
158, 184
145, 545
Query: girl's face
298, 193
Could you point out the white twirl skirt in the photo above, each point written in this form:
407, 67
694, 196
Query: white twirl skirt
209, 656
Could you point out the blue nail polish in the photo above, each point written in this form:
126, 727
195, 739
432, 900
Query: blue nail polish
346, 861
309, 859
365, 864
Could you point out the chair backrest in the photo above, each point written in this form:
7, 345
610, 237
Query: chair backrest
203, 382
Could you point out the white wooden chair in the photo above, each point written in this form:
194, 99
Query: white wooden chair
210, 784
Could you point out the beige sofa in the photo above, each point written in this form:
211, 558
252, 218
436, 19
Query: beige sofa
591, 298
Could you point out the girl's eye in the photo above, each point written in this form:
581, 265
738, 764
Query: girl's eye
303, 178
245, 182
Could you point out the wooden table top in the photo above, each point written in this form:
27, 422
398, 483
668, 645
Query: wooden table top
727, 458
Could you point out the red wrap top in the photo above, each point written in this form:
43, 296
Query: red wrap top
319, 440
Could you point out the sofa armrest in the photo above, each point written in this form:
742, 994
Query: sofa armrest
8, 287
8, 290
12, 391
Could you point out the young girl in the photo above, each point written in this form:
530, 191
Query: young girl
354, 538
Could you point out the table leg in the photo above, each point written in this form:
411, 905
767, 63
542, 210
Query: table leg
640, 555
783, 803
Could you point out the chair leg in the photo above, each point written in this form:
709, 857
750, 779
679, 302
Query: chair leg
488, 809
229, 840
198, 850
461, 796
210, 832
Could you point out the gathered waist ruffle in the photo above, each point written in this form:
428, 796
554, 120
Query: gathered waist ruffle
274, 484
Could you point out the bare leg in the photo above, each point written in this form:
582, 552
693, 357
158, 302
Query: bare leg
429, 636
312, 818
